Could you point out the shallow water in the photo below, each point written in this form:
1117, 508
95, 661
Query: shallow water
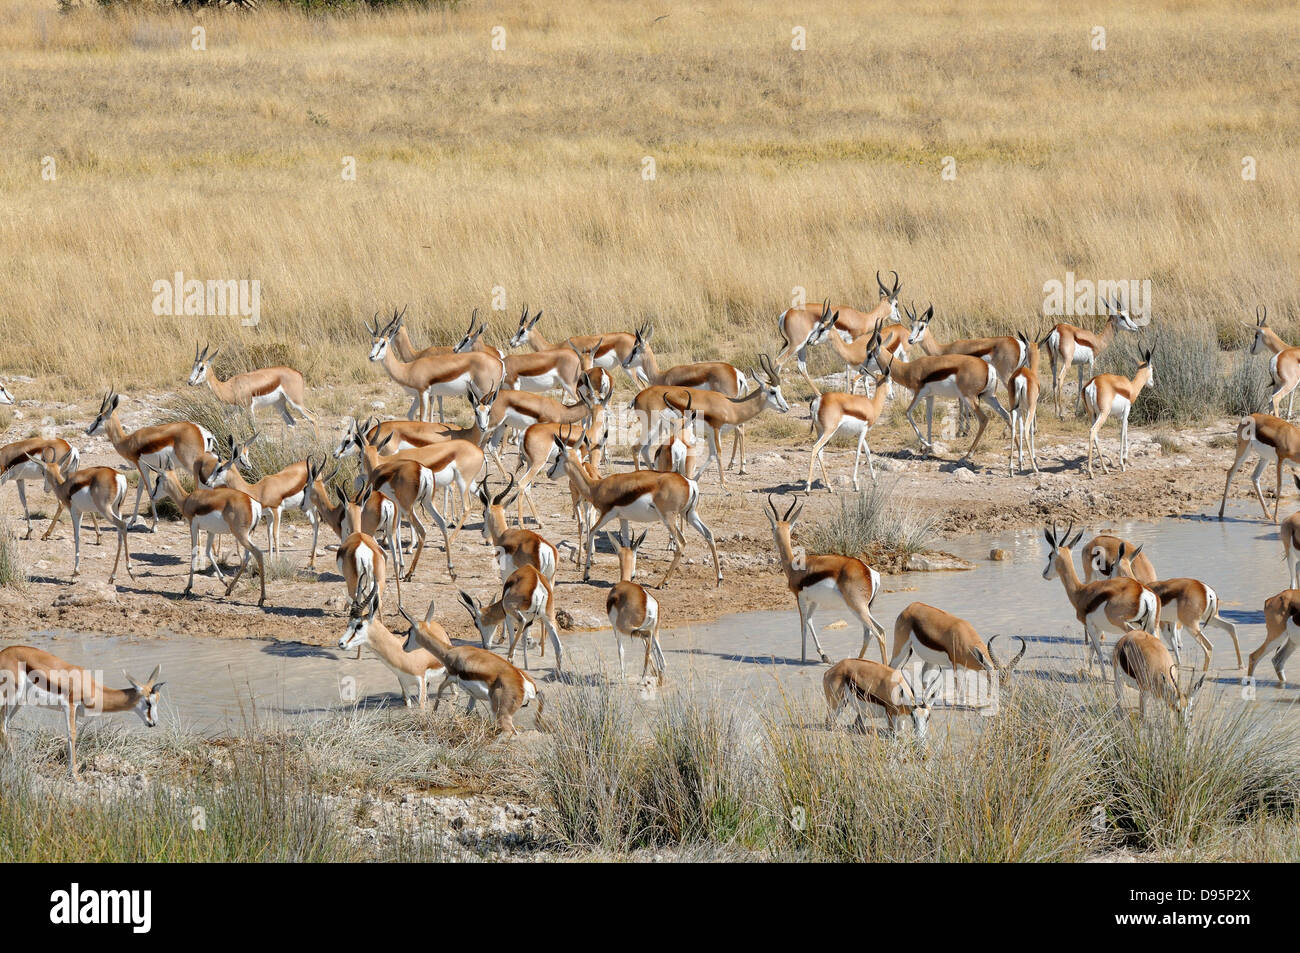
216, 686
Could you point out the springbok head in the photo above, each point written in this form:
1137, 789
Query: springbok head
526, 325
889, 293
146, 705
919, 325
107, 407
202, 364
1058, 547
381, 337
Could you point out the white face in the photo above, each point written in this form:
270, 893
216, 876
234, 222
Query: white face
199, 374
893, 309
147, 708
5, 396
1050, 571
1151, 379
918, 330
347, 443
921, 721
774, 399
355, 634
520, 337
379, 348
99, 421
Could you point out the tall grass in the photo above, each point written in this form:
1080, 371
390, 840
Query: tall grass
876, 522
13, 564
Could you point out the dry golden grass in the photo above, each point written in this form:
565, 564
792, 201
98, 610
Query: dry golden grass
522, 169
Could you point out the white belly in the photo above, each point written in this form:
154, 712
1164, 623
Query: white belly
1098, 622
822, 593
27, 470
1082, 354
475, 687
1264, 450
1119, 406
211, 522
640, 510
926, 654
538, 383
266, 400
452, 388
518, 421
34, 693
946, 387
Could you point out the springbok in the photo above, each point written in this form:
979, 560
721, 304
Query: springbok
408, 352
483, 674
970, 380
1289, 530
1069, 346
870, 686
1108, 395
1115, 605
31, 676
180, 444
540, 371
279, 387
378, 515
1281, 626
632, 611
641, 496
526, 597
834, 412
286, 489
1283, 366
856, 353
1274, 441
682, 451
99, 490
514, 548
832, 581
441, 375
537, 446
942, 640
415, 667
718, 376
414, 434
1023, 390
219, 510
359, 555
798, 327
719, 413
1101, 555
1142, 662
1184, 604
608, 350
20, 461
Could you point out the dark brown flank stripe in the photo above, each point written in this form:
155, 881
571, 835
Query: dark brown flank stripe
924, 637
83, 478
1098, 596
1125, 660
937, 375
641, 486
152, 442
19, 452
267, 388
1294, 613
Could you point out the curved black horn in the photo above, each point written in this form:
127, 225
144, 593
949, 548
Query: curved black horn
1024, 646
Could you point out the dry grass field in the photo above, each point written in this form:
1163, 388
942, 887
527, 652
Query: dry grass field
522, 169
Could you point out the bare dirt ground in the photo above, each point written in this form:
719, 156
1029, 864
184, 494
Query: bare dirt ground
1180, 472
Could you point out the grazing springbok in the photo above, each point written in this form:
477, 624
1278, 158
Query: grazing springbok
867, 686
1023, 390
413, 434
942, 640
526, 597
213, 511
1114, 605
484, 675
514, 548
641, 496
279, 387
798, 327
970, 380
1113, 395
286, 489
719, 413
608, 351
180, 444
1184, 604
1283, 366
415, 667
1069, 346
438, 375
1274, 441
856, 353
682, 450
359, 555
632, 611
718, 376
31, 676
836, 412
20, 461
1281, 626
1142, 662
837, 582
98, 490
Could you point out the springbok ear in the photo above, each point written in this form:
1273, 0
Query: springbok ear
159, 687
130, 681
468, 601
636, 544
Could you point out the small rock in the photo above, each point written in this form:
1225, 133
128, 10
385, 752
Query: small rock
999, 555
965, 475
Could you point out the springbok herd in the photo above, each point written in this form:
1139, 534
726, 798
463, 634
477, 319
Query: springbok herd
683, 412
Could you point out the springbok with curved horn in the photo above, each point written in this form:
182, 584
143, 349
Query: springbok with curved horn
1023, 390
970, 380
180, 444
836, 582
279, 387
470, 341
378, 514
856, 353
484, 675
526, 597
31, 676
1101, 556
415, 666
1283, 366
642, 496
682, 451
1068, 346
720, 414
1113, 395
286, 489
540, 371
98, 490
1289, 530
514, 548
537, 446
798, 327
414, 434
1142, 662
942, 640
1281, 631
1274, 441
836, 412
20, 461
1184, 604
632, 611
608, 350
869, 687
214, 511
1108, 605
